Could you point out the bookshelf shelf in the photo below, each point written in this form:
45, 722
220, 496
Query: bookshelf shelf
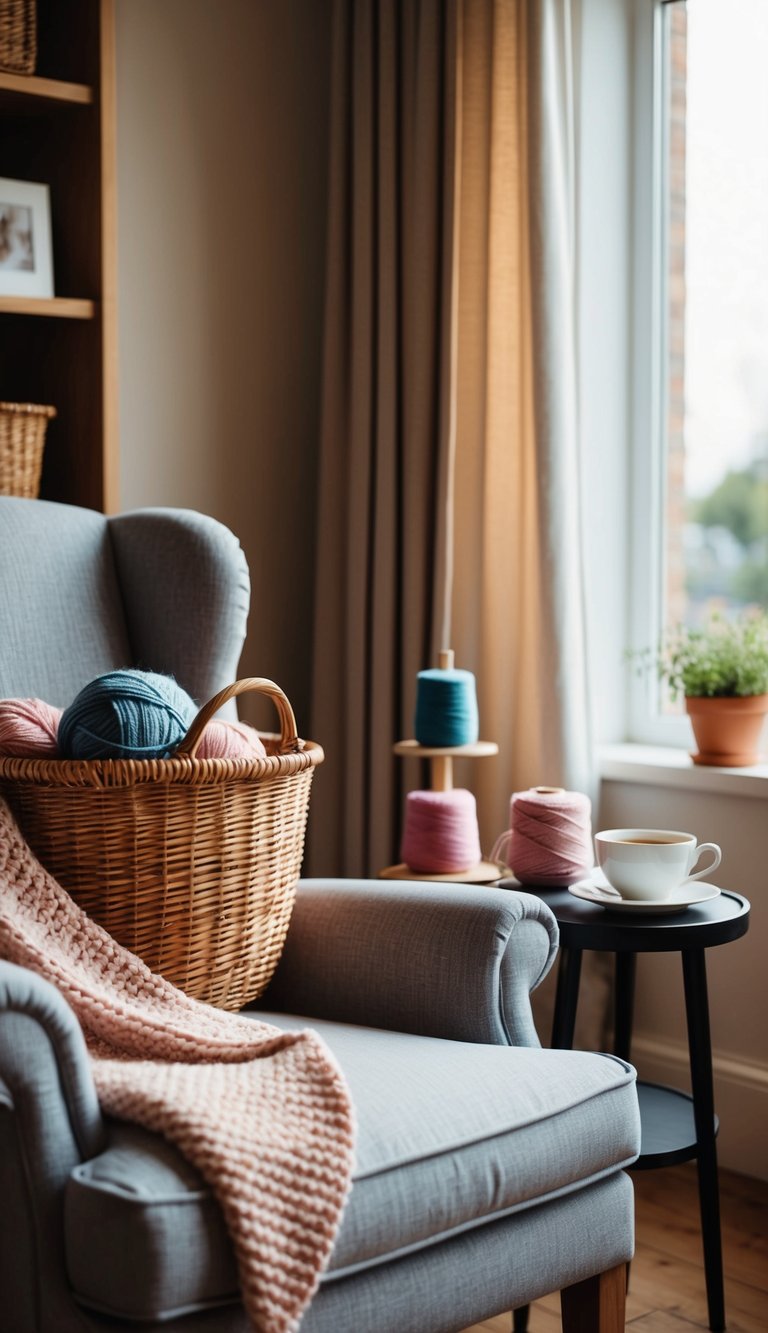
57, 128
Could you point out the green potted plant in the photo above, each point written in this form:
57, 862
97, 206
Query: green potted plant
721, 670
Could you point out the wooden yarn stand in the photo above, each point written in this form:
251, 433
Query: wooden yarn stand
441, 779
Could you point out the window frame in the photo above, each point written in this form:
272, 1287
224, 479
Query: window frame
648, 409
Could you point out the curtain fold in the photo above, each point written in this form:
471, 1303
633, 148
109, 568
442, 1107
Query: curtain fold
383, 551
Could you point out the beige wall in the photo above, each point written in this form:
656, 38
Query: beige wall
222, 133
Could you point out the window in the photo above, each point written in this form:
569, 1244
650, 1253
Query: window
700, 498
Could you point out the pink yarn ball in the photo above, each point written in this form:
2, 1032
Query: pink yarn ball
440, 834
29, 728
549, 841
230, 740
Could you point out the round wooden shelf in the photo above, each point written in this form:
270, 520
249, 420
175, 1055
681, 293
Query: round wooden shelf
476, 751
485, 872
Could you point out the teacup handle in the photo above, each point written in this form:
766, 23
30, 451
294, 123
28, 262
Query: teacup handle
707, 847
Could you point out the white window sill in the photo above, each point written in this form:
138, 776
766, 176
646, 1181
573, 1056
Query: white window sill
664, 766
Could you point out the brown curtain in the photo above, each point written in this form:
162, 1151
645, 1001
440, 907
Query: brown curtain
497, 591
450, 417
387, 422
518, 598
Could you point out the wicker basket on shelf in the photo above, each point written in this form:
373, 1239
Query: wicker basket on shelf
18, 36
22, 441
190, 863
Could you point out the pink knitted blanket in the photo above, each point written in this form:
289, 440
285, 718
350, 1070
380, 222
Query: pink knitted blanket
263, 1114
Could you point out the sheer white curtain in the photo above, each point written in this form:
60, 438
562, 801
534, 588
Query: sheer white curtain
552, 130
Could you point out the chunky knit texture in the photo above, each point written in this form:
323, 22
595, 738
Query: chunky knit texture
264, 1115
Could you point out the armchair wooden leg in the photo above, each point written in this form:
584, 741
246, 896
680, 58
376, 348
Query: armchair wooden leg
597, 1305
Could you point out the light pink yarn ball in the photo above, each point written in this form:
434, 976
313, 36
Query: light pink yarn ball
441, 834
230, 740
29, 728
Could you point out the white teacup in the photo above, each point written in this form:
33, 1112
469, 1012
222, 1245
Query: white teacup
648, 864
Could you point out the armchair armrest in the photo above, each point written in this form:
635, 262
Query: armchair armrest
49, 1121
44, 1065
438, 960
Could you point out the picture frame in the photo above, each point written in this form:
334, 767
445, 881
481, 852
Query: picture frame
26, 254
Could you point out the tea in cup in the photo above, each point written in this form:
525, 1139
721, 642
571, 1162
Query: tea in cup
647, 865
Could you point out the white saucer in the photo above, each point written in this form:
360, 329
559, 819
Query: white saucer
596, 889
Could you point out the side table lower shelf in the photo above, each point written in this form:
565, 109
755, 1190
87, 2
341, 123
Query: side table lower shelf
668, 1131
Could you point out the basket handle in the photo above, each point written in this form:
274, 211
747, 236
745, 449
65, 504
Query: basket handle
290, 743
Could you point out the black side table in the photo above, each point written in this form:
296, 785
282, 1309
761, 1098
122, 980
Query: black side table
676, 1127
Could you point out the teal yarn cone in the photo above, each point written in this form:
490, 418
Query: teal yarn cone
127, 714
446, 708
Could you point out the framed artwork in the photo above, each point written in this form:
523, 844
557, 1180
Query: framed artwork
26, 258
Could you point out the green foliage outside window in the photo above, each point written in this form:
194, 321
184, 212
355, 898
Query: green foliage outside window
739, 504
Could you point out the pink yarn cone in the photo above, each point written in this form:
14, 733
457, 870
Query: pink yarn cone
29, 728
549, 841
230, 740
440, 834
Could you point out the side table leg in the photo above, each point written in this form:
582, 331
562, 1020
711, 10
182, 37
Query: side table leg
700, 1051
566, 999
624, 1004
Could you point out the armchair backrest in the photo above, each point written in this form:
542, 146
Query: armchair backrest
82, 593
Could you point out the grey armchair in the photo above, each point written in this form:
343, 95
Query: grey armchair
489, 1171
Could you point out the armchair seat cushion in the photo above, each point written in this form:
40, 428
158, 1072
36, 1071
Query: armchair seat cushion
451, 1135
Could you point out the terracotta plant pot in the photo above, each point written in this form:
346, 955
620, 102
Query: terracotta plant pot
727, 730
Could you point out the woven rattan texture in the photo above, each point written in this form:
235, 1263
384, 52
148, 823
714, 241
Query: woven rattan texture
22, 441
192, 864
18, 36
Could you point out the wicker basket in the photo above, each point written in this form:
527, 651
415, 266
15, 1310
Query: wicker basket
22, 440
190, 863
18, 36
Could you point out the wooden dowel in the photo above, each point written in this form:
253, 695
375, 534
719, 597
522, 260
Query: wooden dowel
442, 772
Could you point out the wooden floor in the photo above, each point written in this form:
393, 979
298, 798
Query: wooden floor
666, 1289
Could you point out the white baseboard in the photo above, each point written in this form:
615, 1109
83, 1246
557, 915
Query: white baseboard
741, 1098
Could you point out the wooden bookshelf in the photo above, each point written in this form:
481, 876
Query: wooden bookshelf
25, 90
53, 307
57, 127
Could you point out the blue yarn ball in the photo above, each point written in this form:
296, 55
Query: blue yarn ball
126, 714
446, 708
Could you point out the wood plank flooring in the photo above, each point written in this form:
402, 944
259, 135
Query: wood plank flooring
666, 1289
